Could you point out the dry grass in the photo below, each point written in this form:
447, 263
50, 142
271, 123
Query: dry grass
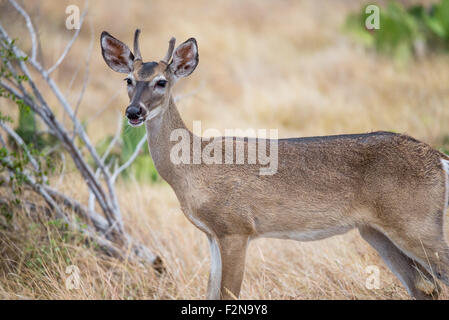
263, 64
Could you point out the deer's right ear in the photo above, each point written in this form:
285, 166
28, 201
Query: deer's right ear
116, 54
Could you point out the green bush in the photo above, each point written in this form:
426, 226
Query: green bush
438, 23
403, 31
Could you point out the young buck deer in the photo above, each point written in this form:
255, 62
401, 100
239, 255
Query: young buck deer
391, 187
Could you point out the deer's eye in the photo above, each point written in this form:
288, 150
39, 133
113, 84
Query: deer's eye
161, 83
128, 81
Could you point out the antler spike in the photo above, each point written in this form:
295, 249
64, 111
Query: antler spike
171, 47
137, 55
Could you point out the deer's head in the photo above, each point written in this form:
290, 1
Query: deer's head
149, 84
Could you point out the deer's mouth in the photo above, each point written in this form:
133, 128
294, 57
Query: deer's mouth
135, 122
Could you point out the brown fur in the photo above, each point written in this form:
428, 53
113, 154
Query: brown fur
144, 72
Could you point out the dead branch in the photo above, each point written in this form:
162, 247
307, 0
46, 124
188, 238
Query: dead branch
130, 160
30, 27
106, 226
20, 142
69, 45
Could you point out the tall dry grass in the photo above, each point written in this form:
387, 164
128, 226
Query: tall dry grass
263, 64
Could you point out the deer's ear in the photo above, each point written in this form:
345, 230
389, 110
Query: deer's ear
116, 54
185, 59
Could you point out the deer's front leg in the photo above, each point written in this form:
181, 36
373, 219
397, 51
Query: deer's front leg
227, 266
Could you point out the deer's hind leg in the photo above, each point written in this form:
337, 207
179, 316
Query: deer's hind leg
421, 237
418, 282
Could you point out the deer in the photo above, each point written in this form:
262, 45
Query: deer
391, 187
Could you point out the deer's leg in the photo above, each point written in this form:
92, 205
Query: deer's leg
214, 284
418, 282
227, 266
425, 244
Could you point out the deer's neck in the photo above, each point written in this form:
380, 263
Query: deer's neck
158, 136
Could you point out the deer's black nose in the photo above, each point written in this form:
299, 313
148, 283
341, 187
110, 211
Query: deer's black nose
133, 112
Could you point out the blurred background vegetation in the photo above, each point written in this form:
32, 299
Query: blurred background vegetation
306, 68
405, 30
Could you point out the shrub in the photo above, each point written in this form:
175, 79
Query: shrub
403, 31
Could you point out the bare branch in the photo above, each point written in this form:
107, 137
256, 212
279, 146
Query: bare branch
29, 26
104, 157
69, 45
86, 73
64, 165
9, 89
114, 139
48, 117
6, 161
55, 89
105, 107
98, 221
110, 225
2, 142
21, 143
110, 205
130, 160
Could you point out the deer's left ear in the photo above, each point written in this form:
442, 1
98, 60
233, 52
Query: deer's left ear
116, 54
185, 59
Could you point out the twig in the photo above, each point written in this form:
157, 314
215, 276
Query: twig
66, 106
21, 143
108, 204
62, 174
104, 157
29, 26
69, 45
2, 142
86, 74
98, 221
6, 161
114, 139
106, 105
130, 160
48, 117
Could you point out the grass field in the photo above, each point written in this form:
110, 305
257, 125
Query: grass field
263, 64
